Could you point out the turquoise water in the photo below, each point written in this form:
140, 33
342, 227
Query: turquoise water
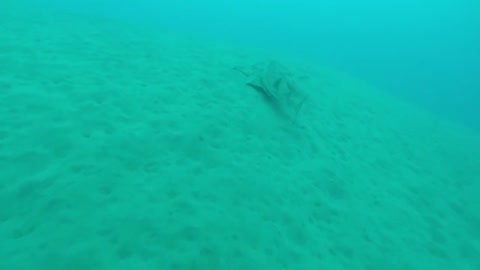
266, 135
427, 51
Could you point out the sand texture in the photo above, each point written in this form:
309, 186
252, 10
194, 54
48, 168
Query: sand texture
126, 148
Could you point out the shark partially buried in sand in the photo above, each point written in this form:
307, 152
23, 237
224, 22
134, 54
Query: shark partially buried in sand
274, 82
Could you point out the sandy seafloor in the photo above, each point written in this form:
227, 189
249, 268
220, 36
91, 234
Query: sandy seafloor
128, 148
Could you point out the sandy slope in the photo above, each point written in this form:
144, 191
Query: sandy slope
126, 149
